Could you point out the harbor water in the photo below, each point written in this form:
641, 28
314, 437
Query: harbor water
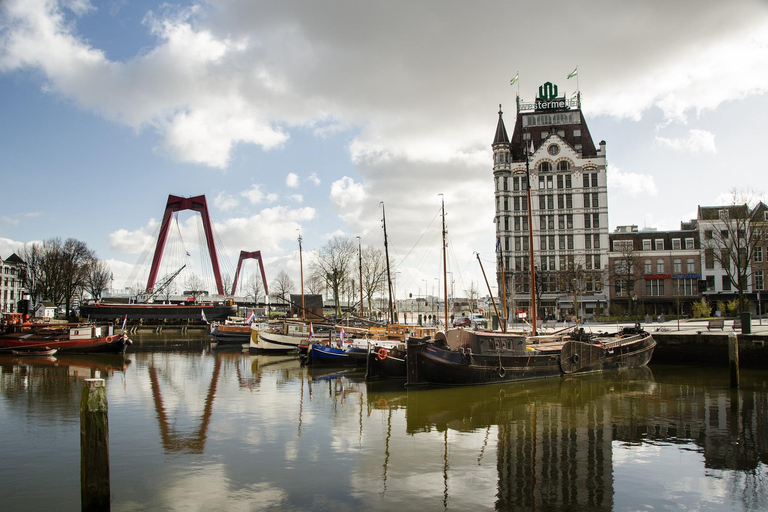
191, 428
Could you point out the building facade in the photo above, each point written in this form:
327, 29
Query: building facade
11, 288
653, 273
551, 147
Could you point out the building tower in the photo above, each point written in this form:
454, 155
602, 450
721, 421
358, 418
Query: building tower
569, 210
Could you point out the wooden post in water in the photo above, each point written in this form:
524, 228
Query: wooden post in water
733, 358
94, 447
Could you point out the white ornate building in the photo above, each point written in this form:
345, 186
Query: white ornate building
552, 144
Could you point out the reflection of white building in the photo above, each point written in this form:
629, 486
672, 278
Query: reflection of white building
569, 205
10, 283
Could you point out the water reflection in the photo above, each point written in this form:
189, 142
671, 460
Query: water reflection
227, 430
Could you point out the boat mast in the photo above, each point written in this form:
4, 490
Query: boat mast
503, 292
360, 259
445, 268
530, 243
493, 301
386, 255
301, 264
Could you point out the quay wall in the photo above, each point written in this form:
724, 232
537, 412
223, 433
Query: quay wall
709, 348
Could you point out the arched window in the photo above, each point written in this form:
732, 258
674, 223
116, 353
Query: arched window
563, 165
545, 167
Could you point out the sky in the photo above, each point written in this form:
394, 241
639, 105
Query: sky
304, 117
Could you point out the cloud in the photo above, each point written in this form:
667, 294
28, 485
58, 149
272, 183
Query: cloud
292, 180
255, 195
221, 74
314, 178
225, 202
124, 241
630, 183
698, 141
297, 198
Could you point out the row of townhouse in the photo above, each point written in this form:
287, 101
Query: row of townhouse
665, 272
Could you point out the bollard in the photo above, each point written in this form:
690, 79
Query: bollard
733, 358
94, 447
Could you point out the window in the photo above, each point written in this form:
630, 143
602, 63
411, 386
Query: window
587, 241
560, 181
506, 183
726, 283
517, 223
710, 282
659, 266
646, 245
659, 244
759, 283
563, 165
587, 221
596, 241
561, 242
568, 201
567, 181
506, 203
708, 234
689, 243
647, 267
569, 221
595, 220
542, 202
758, 254
587, 202
545, 167
685, 287
690, 266
622, 245
722, 214
620, 288
516, 201
677, 266
676, 245
543, 245
709, 258
585, 180
577, 133
550, 183
594, 200
550, 202
570, 242
561, 222
516, 183
654, 287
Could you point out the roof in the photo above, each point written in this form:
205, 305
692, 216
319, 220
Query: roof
517, 146
14, 258
501, 131
713, 212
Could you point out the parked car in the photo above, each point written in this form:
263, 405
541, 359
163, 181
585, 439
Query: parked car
462, 322
478, 320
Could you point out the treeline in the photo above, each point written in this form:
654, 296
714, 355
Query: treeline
59, 271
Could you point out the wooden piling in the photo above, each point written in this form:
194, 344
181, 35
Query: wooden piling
733, 358
94, 447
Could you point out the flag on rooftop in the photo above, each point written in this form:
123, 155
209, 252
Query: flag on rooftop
574, 73
512, 82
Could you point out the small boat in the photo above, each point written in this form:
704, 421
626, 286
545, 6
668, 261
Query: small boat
461, 357
69, 338
322, 353
35, 352
387, 358
288, 335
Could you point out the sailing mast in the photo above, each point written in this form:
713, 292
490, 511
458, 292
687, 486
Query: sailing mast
386, 255
301, 265
360, 260
530, 243
445, 268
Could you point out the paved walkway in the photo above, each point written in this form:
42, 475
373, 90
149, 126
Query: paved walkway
689, 326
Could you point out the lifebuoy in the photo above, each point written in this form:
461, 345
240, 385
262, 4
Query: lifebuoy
109, 339
502, 372
575, 358
382, 353
383, 403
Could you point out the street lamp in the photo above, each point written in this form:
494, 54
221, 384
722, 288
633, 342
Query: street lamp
634, 305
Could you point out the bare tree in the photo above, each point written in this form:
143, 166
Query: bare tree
281, 287
625, 271
374, 272
334, 261
731, 239
472, 296
97, 278
253, 287
194, 285
314, 284
56, 271
573, 281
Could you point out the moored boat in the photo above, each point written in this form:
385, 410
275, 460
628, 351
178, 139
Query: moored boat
288, 335
482, 357
45, 351
207, 311
66, 338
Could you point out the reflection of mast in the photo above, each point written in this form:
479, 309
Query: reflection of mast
386, 447
173, 441
445, 471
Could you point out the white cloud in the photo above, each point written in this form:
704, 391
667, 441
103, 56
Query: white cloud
314, 178
631, 183
225, 202
132, 242
255, 195
698, 141
292, 180
297, 198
